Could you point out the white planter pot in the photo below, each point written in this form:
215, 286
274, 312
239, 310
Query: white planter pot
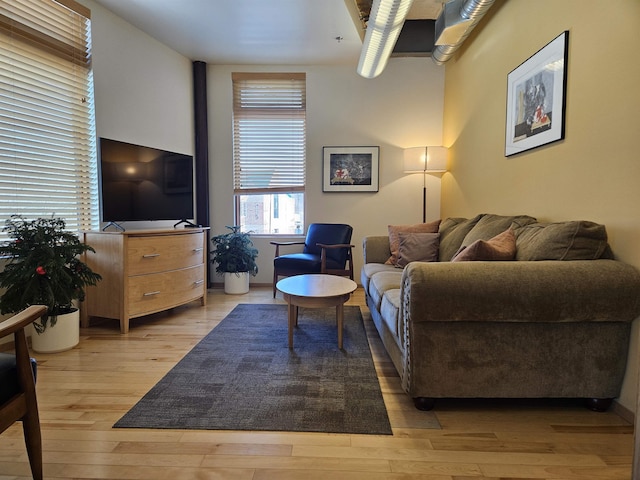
236, 283
64, 335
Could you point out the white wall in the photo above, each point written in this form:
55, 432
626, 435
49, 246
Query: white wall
399, 109
143, 89
144, 95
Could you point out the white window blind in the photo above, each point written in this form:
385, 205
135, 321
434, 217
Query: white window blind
47, 127
269, 132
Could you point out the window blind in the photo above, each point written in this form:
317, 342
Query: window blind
48, 161
269, 132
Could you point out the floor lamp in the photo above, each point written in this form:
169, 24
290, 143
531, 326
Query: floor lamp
425, 160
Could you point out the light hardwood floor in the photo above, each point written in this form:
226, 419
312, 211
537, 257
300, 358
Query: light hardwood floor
82, 393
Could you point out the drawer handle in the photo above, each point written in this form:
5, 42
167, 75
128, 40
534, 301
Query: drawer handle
198, 282
198, 250
150, 294
151, 255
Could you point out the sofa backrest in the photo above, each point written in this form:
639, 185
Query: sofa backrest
461, 232
571, 240
452, 232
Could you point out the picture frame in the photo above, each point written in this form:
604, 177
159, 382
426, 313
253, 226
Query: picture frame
350, 169
536, 98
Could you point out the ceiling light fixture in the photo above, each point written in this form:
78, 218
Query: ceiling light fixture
383, 28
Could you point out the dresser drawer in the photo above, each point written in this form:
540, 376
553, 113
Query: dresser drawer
159, 291
159, 253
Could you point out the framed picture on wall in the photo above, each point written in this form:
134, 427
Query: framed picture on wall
536, 98
350, 169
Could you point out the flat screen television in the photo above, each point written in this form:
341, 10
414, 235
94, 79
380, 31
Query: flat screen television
142, 183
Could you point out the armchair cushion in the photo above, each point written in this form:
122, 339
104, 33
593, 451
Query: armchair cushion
304, 263
9, 385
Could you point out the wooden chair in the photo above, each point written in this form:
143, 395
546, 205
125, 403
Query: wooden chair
17, 386
327, 249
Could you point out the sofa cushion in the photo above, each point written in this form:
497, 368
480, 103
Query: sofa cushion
395, 230
390, 312
491, 225
502, 247
452, 232
572, 240
381, 282
417, 247
370, 269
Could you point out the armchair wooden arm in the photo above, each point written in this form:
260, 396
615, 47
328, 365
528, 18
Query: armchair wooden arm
282, 244
349, 264
21, 403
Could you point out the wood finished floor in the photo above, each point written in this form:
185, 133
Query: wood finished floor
82, 392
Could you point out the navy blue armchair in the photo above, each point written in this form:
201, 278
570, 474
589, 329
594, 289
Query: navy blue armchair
327, 249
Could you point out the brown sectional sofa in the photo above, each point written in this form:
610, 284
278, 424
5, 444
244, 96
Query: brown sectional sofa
553, 323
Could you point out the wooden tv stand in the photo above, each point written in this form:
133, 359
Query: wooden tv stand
144, 272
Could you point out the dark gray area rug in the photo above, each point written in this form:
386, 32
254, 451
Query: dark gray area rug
242, 376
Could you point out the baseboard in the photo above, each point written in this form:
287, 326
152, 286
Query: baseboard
623, 412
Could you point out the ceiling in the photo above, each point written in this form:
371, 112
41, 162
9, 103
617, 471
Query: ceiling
283, 32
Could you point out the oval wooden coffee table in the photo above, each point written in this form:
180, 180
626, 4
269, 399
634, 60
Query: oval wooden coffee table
316, 291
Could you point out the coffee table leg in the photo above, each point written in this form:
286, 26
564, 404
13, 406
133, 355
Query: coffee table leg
340, 318
293, 318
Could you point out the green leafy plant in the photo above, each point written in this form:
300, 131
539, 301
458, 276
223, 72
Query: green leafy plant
43, 268
234, 252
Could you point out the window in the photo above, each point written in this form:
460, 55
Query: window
47, 127
269, 151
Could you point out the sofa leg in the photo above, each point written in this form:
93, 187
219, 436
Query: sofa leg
424, 403
599, 404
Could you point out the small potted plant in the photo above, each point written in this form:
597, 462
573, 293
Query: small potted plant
235, 258
43, 267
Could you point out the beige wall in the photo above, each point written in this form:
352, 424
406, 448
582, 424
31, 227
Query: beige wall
594, 173
401, 108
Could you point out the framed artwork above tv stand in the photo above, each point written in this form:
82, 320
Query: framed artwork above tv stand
145, 272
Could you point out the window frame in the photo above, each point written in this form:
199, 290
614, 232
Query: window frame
273, 102
48, 158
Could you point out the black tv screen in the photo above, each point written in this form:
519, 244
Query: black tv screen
142, 183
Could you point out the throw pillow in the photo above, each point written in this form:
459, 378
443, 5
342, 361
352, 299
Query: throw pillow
499, 248
572, 240
417, 247
394, 239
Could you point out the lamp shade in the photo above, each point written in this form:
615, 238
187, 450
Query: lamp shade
425, 160
383, 27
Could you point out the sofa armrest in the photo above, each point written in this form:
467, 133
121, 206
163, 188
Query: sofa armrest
376, 248
521, 291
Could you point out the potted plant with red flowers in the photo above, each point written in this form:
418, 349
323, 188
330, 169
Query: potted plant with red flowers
44, 267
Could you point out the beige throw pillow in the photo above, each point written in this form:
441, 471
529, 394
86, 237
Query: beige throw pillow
394, 239
417, 247
499, 248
